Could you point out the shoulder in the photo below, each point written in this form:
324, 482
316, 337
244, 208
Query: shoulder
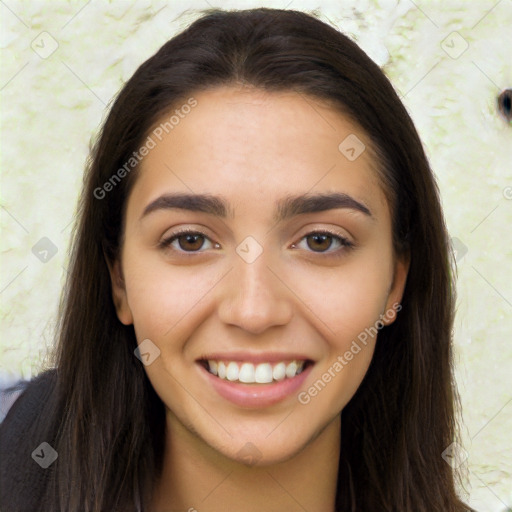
23, 399
22, 431
10, 389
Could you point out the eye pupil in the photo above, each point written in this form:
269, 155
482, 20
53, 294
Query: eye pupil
192, 240
319, 242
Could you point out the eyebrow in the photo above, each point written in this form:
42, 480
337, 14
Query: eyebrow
286, 208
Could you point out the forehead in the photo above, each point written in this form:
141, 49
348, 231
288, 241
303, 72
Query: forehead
256, 145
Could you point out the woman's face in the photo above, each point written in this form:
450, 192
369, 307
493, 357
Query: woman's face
282, 279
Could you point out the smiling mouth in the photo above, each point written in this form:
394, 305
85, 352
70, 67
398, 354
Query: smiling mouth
249, 373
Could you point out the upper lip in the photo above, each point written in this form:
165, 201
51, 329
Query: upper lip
246, 357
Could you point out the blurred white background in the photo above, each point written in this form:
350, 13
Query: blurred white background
62, 62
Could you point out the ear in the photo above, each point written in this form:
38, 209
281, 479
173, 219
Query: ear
119, 295
397, 288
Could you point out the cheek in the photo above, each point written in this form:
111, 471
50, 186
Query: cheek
347, 310
350, 344
161, 297
347, 299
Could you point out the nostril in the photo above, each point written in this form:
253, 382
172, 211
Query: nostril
505, 104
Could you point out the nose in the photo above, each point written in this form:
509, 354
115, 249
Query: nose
254, 298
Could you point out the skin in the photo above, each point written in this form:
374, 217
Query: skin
254, 148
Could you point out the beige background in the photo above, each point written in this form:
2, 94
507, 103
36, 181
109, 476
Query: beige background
62, 62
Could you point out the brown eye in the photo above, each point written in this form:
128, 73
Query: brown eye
187, 242
325, 243
190, 242
319, 242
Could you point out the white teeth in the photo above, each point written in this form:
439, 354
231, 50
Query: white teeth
212, 365
279, 372
263, 374
248, 373
291, 369
232, 371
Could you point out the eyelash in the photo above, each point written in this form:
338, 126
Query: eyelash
345, 244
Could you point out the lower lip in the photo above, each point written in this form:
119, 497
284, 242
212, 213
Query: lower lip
256, 395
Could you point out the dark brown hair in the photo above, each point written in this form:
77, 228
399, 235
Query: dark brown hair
108, 420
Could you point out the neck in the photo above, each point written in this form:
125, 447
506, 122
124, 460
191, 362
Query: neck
197, 478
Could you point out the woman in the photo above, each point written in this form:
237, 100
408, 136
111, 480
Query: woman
260, 299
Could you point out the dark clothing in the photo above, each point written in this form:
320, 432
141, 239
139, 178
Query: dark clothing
22, 458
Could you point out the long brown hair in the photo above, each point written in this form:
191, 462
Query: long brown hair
108, 420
